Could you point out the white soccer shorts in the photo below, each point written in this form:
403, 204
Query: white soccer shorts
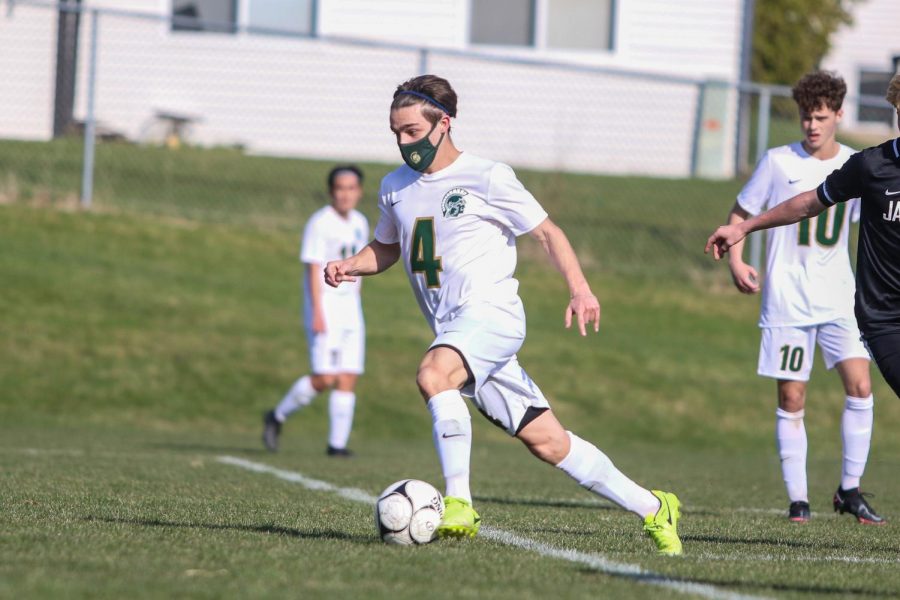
337, 351
488, 337
788, 352
342, 348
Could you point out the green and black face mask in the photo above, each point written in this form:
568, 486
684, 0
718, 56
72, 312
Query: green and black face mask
420, 154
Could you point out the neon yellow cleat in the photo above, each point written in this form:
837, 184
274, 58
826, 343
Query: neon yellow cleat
663, 526
460, 519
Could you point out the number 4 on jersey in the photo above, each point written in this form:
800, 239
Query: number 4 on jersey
422, 257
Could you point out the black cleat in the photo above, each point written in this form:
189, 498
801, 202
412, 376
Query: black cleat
854, 502
271, 431
338, 452
799, 512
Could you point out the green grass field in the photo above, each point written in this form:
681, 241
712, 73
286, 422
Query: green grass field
141, 342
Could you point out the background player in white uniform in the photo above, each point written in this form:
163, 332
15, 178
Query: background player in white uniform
332, 317
808, 293
453, 219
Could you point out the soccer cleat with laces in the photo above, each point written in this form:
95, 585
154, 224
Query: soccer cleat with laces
271, 431
854, 502
662, 527
799, 512
460, 519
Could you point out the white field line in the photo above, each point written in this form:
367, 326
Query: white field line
709, 556
595, 562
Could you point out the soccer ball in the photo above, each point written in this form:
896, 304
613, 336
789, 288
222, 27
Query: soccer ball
409, 512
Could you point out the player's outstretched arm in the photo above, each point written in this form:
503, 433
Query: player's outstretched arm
802, 206
745, 277
583, 304
371, 260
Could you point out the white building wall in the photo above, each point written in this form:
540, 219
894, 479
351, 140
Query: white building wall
27, 67
313, 98
870, 43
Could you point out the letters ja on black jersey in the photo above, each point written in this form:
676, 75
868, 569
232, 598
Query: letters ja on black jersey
874, 176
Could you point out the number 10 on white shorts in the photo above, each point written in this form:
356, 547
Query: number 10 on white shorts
788, 352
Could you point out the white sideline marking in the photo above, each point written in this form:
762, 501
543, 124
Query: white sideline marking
796, 558
595, 562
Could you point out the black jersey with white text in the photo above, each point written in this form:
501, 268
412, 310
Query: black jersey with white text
874, 176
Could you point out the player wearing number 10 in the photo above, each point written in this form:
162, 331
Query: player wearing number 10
453, 218
808, 296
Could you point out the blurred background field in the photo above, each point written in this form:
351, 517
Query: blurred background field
158, 307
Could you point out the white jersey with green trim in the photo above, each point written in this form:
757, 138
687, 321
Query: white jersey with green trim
456, 229
808, 278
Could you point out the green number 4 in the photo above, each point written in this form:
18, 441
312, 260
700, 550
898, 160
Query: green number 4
422, 257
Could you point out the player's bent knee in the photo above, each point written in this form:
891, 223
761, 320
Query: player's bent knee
432, 380
321, 382
792, 402
859, 389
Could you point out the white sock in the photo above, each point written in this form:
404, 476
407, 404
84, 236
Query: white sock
856, 432
452, 429
791, 437
300, 395
340, 412
587, 465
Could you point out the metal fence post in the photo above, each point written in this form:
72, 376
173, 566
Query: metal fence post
90, 128
423, 61
762, 144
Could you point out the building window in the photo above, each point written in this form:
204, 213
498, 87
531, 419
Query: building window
550, 24
874, 83
204, 15
502, 22
291, 16
579, 24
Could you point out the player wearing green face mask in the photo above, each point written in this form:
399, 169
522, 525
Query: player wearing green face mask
451, 219
420, 154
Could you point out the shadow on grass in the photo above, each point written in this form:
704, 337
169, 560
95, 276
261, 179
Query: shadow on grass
328, 534
590, 504
546, 503
207, 448
724, 539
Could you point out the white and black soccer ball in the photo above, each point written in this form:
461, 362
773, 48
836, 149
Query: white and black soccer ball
409, 512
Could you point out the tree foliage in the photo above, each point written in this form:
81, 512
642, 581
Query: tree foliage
790, 37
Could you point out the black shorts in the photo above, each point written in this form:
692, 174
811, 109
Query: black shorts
885, 350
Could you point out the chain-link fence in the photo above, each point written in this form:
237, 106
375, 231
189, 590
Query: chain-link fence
146, 112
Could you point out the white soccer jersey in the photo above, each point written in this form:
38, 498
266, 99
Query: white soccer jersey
808, 275
329, 236
457, 230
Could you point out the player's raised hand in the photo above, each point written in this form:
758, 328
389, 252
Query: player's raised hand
337, 272
586, 309
745, 277
722, 239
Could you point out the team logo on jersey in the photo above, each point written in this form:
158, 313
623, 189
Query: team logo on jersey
454, 203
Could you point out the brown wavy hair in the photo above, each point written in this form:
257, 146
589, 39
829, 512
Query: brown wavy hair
436, 88
820, 88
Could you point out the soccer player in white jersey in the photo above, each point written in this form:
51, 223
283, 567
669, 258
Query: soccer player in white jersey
453, 218
808, 296
332, 317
